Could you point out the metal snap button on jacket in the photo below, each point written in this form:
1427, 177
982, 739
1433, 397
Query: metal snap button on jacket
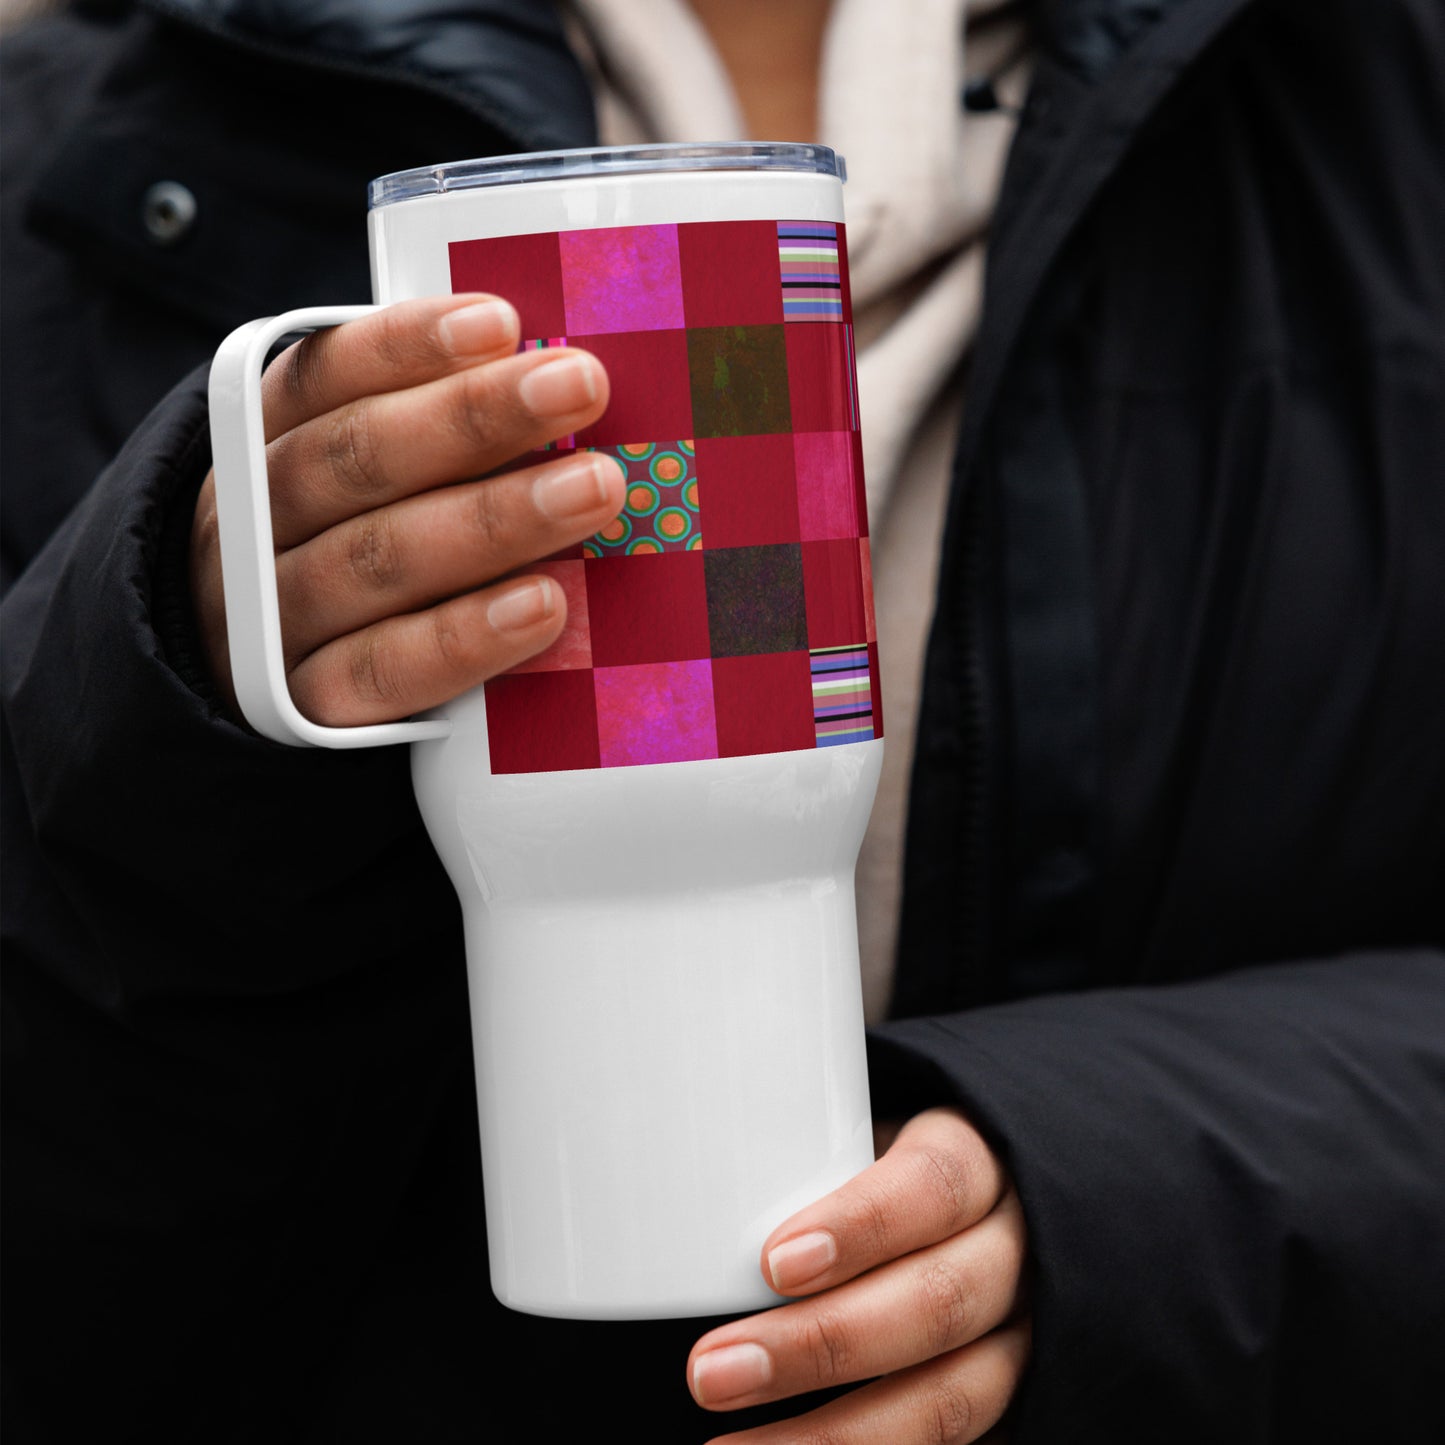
169, 212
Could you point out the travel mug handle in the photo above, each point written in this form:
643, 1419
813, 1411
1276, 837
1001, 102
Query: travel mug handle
248, 558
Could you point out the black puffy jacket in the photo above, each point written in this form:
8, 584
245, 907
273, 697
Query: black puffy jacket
1172, 928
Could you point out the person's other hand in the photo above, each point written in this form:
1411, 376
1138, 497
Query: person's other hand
398, 534
913, 1272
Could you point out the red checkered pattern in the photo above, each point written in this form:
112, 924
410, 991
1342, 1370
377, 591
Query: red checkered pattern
714, 647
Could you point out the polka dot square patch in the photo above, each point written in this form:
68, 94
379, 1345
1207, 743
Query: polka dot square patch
662, 510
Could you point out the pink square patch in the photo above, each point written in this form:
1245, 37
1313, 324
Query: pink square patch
573, 648
827, 492
656, 712
622, 278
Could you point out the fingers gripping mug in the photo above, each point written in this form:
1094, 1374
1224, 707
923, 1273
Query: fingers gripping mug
653, 825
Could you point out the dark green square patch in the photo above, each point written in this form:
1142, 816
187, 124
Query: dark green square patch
755, 600
739, 379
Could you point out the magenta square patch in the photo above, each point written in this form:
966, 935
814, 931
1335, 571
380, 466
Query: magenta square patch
827, 492
658, 712
622, 278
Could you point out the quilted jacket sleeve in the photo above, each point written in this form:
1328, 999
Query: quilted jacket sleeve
1235, 1194
158, 824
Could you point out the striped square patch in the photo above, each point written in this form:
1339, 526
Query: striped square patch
808, 261
842, 695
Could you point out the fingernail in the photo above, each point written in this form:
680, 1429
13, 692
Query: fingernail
473, 330
521, 607
796, 1261
559, 387
570, 490
729, 1372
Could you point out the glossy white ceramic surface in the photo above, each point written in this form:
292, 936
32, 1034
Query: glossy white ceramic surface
666, 1012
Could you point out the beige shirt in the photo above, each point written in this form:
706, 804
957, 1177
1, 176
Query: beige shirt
922, 178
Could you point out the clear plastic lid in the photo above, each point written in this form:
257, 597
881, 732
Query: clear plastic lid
603, 161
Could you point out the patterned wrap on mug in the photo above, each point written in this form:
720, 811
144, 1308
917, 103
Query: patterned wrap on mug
729, 608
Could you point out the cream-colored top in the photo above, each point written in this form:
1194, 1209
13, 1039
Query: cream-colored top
922, 178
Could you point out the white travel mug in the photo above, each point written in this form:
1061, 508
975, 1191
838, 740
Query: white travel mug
653, 825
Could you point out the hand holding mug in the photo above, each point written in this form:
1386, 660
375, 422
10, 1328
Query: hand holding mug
912, 1272
399, 526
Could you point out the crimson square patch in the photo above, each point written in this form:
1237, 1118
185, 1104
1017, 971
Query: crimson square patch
751, 496
860, 490
650, 392
764, 703
865, 567
730, 273
542, 722
821, 380
833, 582
647, 609
525, 270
